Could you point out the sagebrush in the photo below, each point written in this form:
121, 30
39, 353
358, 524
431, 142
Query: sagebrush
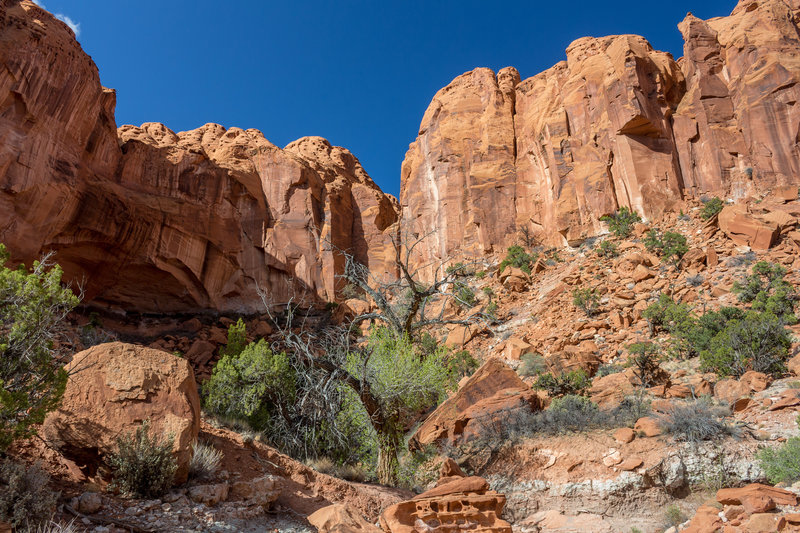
143, 465
25, 499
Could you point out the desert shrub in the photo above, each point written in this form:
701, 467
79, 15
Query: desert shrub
491, 311
519, 258
670, 245
766, 290
608, 369
459, 270
205, 461
621, 223
667, 315
782, 464
417, 468
480, 274
695, 421
673, 516
565, 383
741, 259
24, 496
488, 291
695, 281
608, 249
461, 363
464, 295
629, 410
348, 472
143, 465
711, 208
586, 299
643, 358
253, 385
532, 365
758, 341
32, 380
567, 414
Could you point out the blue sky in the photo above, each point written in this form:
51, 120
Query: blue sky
358, 73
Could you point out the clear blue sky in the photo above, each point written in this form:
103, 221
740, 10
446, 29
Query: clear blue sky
358, 73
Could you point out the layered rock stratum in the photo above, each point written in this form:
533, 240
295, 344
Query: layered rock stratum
158, 221
616, 124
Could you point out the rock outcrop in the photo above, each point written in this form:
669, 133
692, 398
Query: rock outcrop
491, 393
616, 124
112, 389
157, 221
456, 504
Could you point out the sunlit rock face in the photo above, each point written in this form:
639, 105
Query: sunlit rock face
616, 124
158, 221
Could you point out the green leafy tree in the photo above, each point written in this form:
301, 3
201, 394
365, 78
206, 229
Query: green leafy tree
237, 339
394, 384
621, 223
32, 380
398, 371
256, 385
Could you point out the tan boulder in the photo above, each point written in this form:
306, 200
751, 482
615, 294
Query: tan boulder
647, 426
111, 390
514, 348
494, 383
624, 435
705, 520
338, 518
745, 229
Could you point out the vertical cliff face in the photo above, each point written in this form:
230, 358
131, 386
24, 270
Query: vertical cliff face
157, 221
616, 124
736, 128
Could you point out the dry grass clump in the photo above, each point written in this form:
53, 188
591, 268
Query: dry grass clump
205, 461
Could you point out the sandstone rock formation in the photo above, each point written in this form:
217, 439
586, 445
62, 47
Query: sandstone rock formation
162, 222
458, 504
616, 124
492, 391
111, 390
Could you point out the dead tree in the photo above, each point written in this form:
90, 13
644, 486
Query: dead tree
405, 306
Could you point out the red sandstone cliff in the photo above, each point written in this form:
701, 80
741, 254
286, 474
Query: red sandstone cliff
616, 124
157, 221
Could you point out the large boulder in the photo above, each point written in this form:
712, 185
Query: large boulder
745, 229
111, 390
493, 388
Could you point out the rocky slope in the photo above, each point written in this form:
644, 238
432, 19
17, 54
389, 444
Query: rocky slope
156, 221
616, 124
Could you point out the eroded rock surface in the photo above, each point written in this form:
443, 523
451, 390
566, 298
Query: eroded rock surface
158, 221
616, 124
115, 387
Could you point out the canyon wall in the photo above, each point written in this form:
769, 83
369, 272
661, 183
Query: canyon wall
156, 221
616, 124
